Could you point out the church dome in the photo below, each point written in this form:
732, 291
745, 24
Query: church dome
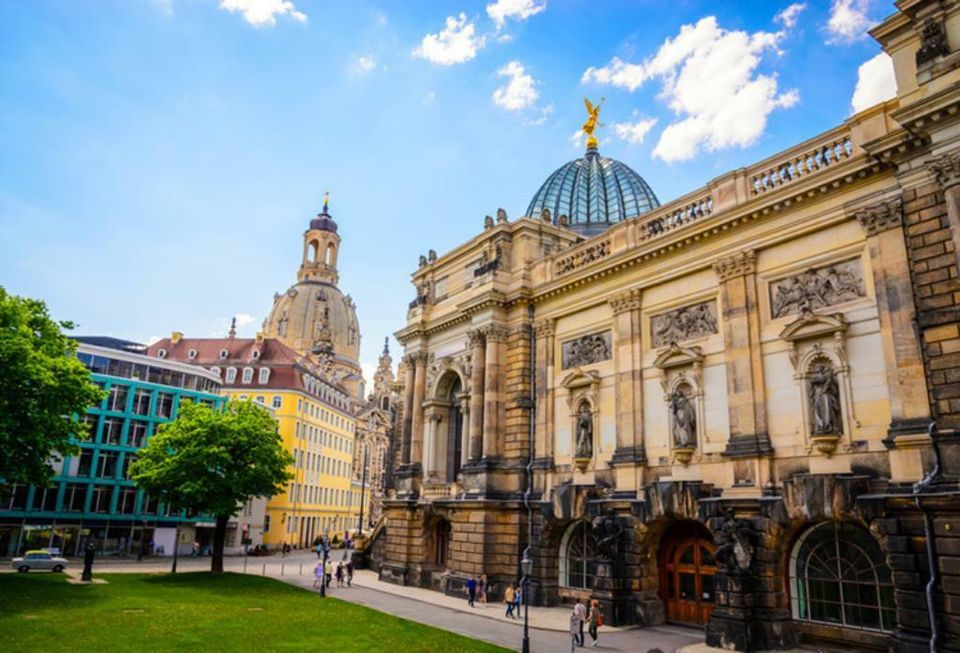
594, 192
312, 313
324, 222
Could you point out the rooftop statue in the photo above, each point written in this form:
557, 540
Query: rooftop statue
593, 117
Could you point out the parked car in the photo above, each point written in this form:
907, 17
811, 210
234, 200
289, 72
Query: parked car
39, 559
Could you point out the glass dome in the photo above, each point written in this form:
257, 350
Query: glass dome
594, 193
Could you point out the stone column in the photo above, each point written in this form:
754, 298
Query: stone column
430, 444
478, 367
419, 388
544, 330
946, 169
464, 429
903, 360
626, 360
407, 426
741, 339
491, 390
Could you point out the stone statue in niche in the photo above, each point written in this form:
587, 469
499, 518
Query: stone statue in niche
684, 420
685, 323
592, 348
825, 401
816, 288
584, 448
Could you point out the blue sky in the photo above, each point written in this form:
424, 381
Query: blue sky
160, 159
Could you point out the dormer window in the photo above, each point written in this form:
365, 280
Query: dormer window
256, 354
247, 374
231, 375
223, 354
264, 375
192, 354
161, 353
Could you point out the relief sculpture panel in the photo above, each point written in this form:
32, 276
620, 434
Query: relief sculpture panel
588, 349
684, 323
817, 288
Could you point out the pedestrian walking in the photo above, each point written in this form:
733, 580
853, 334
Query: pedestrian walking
320, 549
328, 570
517, 600
574, 630
318, 574
595, 620
509, 596
339, 574
581, 611
349, 573
471, 590
195, 549
484, 589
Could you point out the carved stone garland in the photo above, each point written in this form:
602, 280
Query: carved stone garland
681, 377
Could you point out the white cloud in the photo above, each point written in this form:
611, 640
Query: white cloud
541, 118
368, 370
788, 17
634, 132
153, 339
456, 43
876, 82
365, 63
501, 10
576, 139
243, 319
709, 78
520, 92
263, 13
848, 20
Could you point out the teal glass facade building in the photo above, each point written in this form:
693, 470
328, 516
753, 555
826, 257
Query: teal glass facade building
91, 497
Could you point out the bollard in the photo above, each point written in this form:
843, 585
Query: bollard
301, 569
244, 564
263, 572
281, 568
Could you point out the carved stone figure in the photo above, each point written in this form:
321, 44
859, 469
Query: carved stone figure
816, 288
684, 323
488, 222
591, 348
735, 551
423, 261
432, 256
584, 447
825, 401
684, 420
501, 216
608, 532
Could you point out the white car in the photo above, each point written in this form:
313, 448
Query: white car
39, 559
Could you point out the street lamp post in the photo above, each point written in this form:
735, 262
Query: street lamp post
176, 547
323, 575
526, 566
363, 486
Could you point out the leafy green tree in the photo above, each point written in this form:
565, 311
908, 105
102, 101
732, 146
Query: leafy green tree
212, 462
43, 390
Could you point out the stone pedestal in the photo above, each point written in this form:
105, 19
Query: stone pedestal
612, 589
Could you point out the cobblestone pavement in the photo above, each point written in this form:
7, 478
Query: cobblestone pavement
548, 626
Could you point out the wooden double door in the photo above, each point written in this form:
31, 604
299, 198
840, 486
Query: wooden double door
687, 570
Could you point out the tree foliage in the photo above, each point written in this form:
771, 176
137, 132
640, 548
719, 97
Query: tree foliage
212, 462
43, 389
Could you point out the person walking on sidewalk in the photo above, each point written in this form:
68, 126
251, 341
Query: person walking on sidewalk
594, 619
349, 573
317, 574
574, 630
580, 610
339, 574
484, 588
509, 597
328, 570
518, 600
471, 590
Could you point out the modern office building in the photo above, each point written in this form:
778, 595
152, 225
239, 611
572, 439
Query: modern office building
91, 496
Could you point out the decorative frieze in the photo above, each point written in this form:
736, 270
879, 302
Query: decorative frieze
816, 288
585, 256
946, 169
737, 265
493, 333
881, 217
627, 301
586, 350
684, 323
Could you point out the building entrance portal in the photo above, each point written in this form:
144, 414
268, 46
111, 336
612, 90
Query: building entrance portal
687, 569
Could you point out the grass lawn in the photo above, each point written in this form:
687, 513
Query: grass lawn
199, 612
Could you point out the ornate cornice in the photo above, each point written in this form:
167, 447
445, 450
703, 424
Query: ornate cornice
738, 265
946, 169
494, 333
475, 338
881, 217
627, 301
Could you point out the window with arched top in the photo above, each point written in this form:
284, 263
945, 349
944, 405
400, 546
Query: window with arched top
839, 576
223, 354
161, 353
215, 370
247, 374
578, 564
264, 375
314, 250
231, 375
329, 254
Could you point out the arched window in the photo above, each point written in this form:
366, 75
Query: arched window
247, 374
838, 575
578, 565
264, 375
328, 256
215, 370
231, 375
314, 250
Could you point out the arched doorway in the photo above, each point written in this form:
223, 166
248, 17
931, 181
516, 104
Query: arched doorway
687, 570
441, 543
454, 432
578, 564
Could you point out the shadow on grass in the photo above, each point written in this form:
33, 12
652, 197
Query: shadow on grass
45, 592
226, 583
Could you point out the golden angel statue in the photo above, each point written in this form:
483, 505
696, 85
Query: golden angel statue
592, 122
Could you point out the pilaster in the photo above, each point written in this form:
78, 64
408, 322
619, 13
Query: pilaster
629, 398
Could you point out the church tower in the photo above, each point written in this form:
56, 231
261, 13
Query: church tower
321, 246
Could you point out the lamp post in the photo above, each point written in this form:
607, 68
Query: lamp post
323, 576
363, 486
526, 566
176, 547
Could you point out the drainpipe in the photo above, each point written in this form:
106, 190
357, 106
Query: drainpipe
918, 491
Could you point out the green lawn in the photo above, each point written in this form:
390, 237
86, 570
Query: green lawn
199, 612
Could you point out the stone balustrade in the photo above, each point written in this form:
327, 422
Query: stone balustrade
790, 166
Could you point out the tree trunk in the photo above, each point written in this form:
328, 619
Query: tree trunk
219, 536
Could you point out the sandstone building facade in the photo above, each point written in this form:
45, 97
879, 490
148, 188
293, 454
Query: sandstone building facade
739, 409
